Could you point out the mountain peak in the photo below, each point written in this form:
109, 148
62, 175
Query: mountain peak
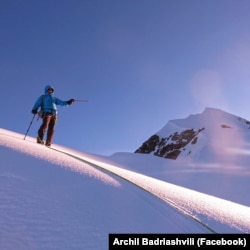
210, 133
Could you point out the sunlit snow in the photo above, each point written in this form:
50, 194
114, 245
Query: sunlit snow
60, 198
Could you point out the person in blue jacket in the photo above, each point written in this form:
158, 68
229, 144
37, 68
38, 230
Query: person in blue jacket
48, 112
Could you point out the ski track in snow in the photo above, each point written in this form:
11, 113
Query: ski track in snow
198, 206
229, 216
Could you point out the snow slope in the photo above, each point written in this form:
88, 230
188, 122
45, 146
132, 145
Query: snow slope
59, 198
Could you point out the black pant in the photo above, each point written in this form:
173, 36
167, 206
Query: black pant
49, 121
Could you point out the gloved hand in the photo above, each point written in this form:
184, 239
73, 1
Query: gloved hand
69, 102
34, 111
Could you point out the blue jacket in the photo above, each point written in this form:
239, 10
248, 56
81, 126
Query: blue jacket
48, 103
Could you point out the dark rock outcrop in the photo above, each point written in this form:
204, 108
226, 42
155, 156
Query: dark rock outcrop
171, 146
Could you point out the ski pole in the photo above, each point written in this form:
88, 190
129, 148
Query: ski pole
80, 100
29, 126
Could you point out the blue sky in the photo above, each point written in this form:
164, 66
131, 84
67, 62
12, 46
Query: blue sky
140, 63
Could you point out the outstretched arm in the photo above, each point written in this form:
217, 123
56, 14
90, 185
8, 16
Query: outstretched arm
63, 103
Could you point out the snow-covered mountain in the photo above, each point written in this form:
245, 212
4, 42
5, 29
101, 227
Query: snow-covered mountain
210, 136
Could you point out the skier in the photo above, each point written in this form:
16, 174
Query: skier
48, 112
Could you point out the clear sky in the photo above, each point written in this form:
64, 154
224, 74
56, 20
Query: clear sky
140, 63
